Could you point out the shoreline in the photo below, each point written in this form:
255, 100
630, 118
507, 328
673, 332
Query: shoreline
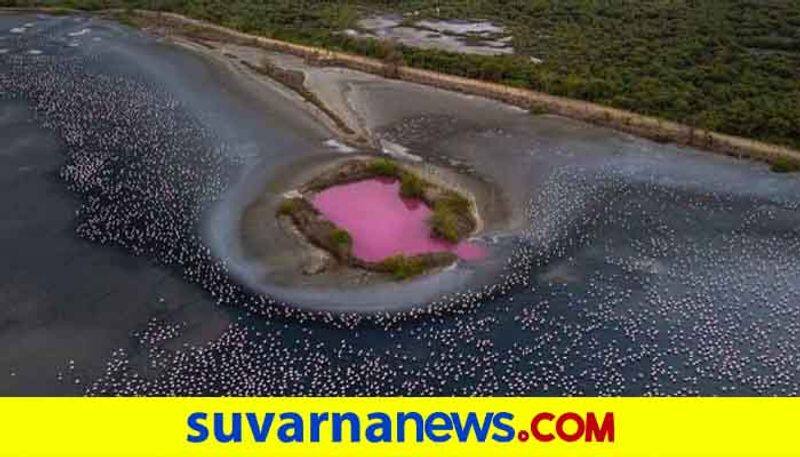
652, 128
648, 127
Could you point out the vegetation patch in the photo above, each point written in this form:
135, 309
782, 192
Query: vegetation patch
449, 219
341, 237
383, 167
785, 165
316, 228
411, 185
402, 267
288, 206
405, 267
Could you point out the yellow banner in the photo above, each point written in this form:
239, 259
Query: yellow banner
325, 427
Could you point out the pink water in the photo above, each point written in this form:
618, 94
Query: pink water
383, 224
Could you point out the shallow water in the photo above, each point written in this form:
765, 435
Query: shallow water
383, 224
65, 303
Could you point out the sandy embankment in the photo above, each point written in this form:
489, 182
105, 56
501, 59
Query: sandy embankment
291, 77
644, 126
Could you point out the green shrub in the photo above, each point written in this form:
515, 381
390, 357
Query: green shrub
340, 237
784, 165
402, 267
411, 186
454, 202
443, 224
287, 207
384, 167
446, 213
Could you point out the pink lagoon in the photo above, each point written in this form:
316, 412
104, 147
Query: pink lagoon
382, 223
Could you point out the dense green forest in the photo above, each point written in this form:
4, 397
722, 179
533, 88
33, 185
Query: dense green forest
728, 65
